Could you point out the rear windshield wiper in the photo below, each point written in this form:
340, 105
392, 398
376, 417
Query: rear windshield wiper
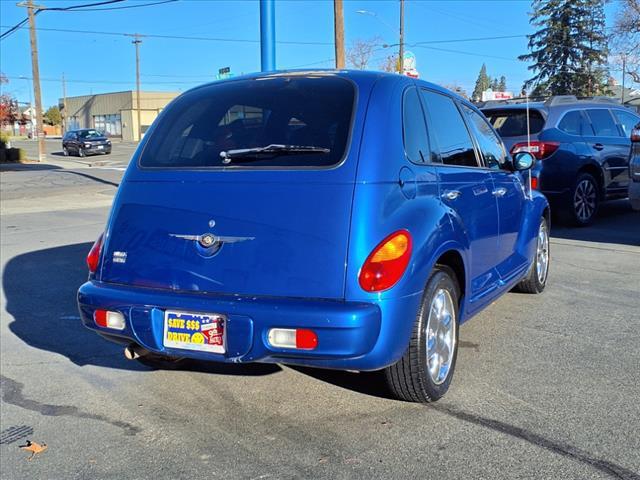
256, 153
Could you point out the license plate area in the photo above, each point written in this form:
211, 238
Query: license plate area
203, 332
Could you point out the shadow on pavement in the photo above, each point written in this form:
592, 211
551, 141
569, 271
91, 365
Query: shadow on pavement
616, 223
40, 288
367, 383
27, 167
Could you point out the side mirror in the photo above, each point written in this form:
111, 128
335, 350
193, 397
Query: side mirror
523, 161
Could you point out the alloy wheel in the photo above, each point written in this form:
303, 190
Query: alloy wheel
441, 336
542, 253
585, 200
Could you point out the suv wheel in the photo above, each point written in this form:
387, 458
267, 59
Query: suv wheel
536, 278
80, 152
585, 200
65, 152
424, 373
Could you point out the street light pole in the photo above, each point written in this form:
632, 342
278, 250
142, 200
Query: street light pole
401, 46
267, 35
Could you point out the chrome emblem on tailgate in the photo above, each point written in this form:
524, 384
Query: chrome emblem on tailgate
209, 240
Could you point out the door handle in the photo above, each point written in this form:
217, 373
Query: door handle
598, 146
499, 192
451, 194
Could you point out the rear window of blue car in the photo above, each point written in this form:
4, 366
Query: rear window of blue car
281, 111
512, 122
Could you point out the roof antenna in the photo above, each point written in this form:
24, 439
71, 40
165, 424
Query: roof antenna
528, 143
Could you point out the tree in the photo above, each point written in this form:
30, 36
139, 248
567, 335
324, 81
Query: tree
390, 64
625, 38
454, 87
495, 85
502, 85
482, 83
9, 112
569, 49
52, 116
360, 53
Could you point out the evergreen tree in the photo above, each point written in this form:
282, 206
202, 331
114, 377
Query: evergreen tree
482, 83
569, 50
495, 85
502, 85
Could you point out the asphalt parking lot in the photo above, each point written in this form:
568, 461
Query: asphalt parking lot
118, 158
546, 386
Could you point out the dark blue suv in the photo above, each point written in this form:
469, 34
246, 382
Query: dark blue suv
582, 147
334, 219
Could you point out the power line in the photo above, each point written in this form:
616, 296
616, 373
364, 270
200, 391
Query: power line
178, 37
73, 7
83, 8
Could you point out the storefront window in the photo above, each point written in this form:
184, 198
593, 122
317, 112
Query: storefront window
109, 124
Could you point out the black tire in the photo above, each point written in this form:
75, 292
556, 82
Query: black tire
536, 280
409, 379
81, 152
585, 200
65, 151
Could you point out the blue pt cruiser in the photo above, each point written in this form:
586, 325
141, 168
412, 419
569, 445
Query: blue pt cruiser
334, 219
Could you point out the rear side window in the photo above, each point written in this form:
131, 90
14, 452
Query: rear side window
414, 129
602, 122
449, 130
627, 121
513, 122
574, 123
490, 145
248, 114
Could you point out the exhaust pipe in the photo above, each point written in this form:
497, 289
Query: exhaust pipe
133, 351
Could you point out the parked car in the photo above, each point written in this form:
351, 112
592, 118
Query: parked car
85, 141
582, 147
343, 220
634, 168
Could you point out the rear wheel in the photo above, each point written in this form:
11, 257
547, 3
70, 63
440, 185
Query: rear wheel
536, 279
425, 371
584, 200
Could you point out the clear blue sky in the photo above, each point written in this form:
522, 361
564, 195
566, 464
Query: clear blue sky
95, 63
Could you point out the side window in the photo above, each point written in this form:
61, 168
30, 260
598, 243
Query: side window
574, 123
626, 120
490, 145
414, 129
449, 130
603, 124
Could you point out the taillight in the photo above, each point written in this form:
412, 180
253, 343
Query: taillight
93, 259
538, 149
635, 134
386, 263
534, 183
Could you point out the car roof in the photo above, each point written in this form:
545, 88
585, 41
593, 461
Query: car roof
357, 76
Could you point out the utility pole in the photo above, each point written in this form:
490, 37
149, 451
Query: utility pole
35, 73
338, 32
401, 46
64, 105
136, 41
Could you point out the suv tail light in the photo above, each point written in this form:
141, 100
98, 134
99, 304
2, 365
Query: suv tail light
386, 264
538, 149
93, 259
635, 133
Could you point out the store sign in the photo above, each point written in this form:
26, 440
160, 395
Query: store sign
491, 95
409, 65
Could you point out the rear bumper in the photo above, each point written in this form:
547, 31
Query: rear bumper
351, 335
